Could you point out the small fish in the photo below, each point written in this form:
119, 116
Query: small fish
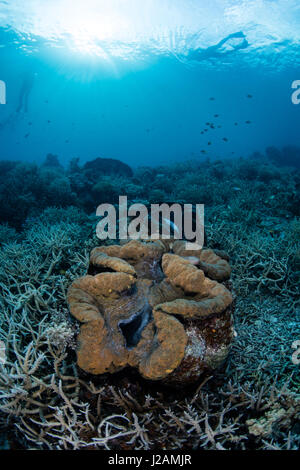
202, 132
212, 98
26, 135
225, 139
212, 126
30, 124
46, 101
148, 130
249, 96
67, 141
205, 130
236, 189
203, 151
207, 123
248, 122
208, 143
235, 123
216, 115
49, 122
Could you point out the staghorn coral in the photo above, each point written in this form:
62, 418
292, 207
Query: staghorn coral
171, 325
7, 234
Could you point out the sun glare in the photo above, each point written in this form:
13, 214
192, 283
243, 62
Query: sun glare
122, 27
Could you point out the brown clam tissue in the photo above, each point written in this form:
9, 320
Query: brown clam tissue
155, 307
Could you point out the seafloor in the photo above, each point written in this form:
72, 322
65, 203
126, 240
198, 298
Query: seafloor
46, 402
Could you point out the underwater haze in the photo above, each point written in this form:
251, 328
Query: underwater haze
138, 81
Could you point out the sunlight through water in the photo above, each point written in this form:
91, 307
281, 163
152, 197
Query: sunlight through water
133, 28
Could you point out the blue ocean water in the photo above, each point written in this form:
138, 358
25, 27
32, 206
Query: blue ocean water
138, 81
149, 104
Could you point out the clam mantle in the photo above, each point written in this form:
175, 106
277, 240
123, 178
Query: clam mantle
154, 307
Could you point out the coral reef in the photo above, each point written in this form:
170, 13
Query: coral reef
252, 402
106, 166
26, 189
52, 161
287, 156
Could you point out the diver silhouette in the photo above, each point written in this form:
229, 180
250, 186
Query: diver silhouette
22, 103
24, 94
216, 50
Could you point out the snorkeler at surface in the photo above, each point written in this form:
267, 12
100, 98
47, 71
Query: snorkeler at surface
227, 45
